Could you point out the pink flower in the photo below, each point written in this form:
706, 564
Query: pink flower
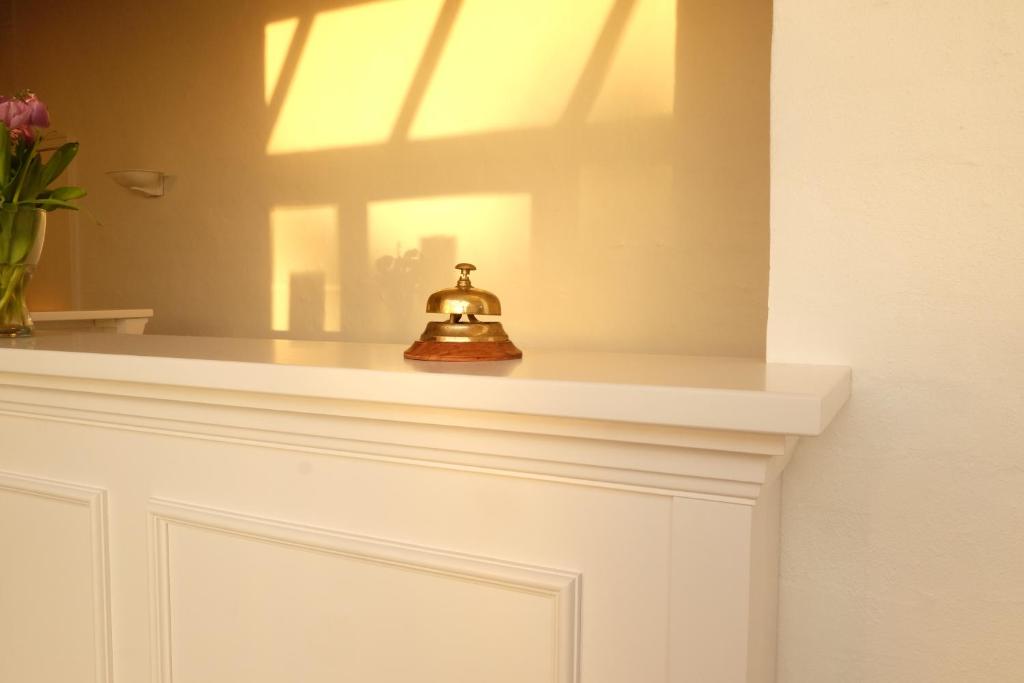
15, 113
39, 116
24, 114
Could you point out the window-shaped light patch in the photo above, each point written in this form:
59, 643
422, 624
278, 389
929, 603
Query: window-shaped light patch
306, 271
417, 242
641, 79
509, 64
277, 39
352, 75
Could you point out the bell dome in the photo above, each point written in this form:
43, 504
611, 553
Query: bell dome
464, 298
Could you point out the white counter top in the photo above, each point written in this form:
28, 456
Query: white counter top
700, 392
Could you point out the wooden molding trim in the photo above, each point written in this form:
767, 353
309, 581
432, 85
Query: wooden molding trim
701, 464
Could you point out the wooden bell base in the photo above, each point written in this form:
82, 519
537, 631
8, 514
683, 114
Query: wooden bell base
462, 351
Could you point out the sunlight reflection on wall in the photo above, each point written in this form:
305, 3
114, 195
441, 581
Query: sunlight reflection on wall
352, 75
641, 80
538, 139
277, 39
503, 66
306, 253
414, 244
510, 65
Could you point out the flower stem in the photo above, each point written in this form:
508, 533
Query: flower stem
11, 304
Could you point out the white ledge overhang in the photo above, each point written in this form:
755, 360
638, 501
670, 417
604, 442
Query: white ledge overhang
706, 427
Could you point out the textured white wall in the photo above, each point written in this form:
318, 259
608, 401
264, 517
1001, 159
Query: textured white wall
898, 248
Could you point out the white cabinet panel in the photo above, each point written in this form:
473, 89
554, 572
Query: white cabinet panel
244, 599
53, 583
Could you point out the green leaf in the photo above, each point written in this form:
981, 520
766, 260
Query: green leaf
5, 154
6, 228
24, 235
24, 155
50, 204
58, 161
33, 184
65, 193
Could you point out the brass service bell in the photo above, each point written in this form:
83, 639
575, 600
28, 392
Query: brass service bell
462, 337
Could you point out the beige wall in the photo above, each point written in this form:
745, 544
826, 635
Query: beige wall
537, 139
6, 16
898, 248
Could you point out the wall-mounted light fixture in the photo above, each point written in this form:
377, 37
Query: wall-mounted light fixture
147, 183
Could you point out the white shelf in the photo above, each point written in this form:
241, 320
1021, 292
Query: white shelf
112, 314
699, 392
127, 321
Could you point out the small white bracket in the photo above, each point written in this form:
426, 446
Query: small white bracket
141, 181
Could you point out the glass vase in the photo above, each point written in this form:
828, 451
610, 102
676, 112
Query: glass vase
22, 231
